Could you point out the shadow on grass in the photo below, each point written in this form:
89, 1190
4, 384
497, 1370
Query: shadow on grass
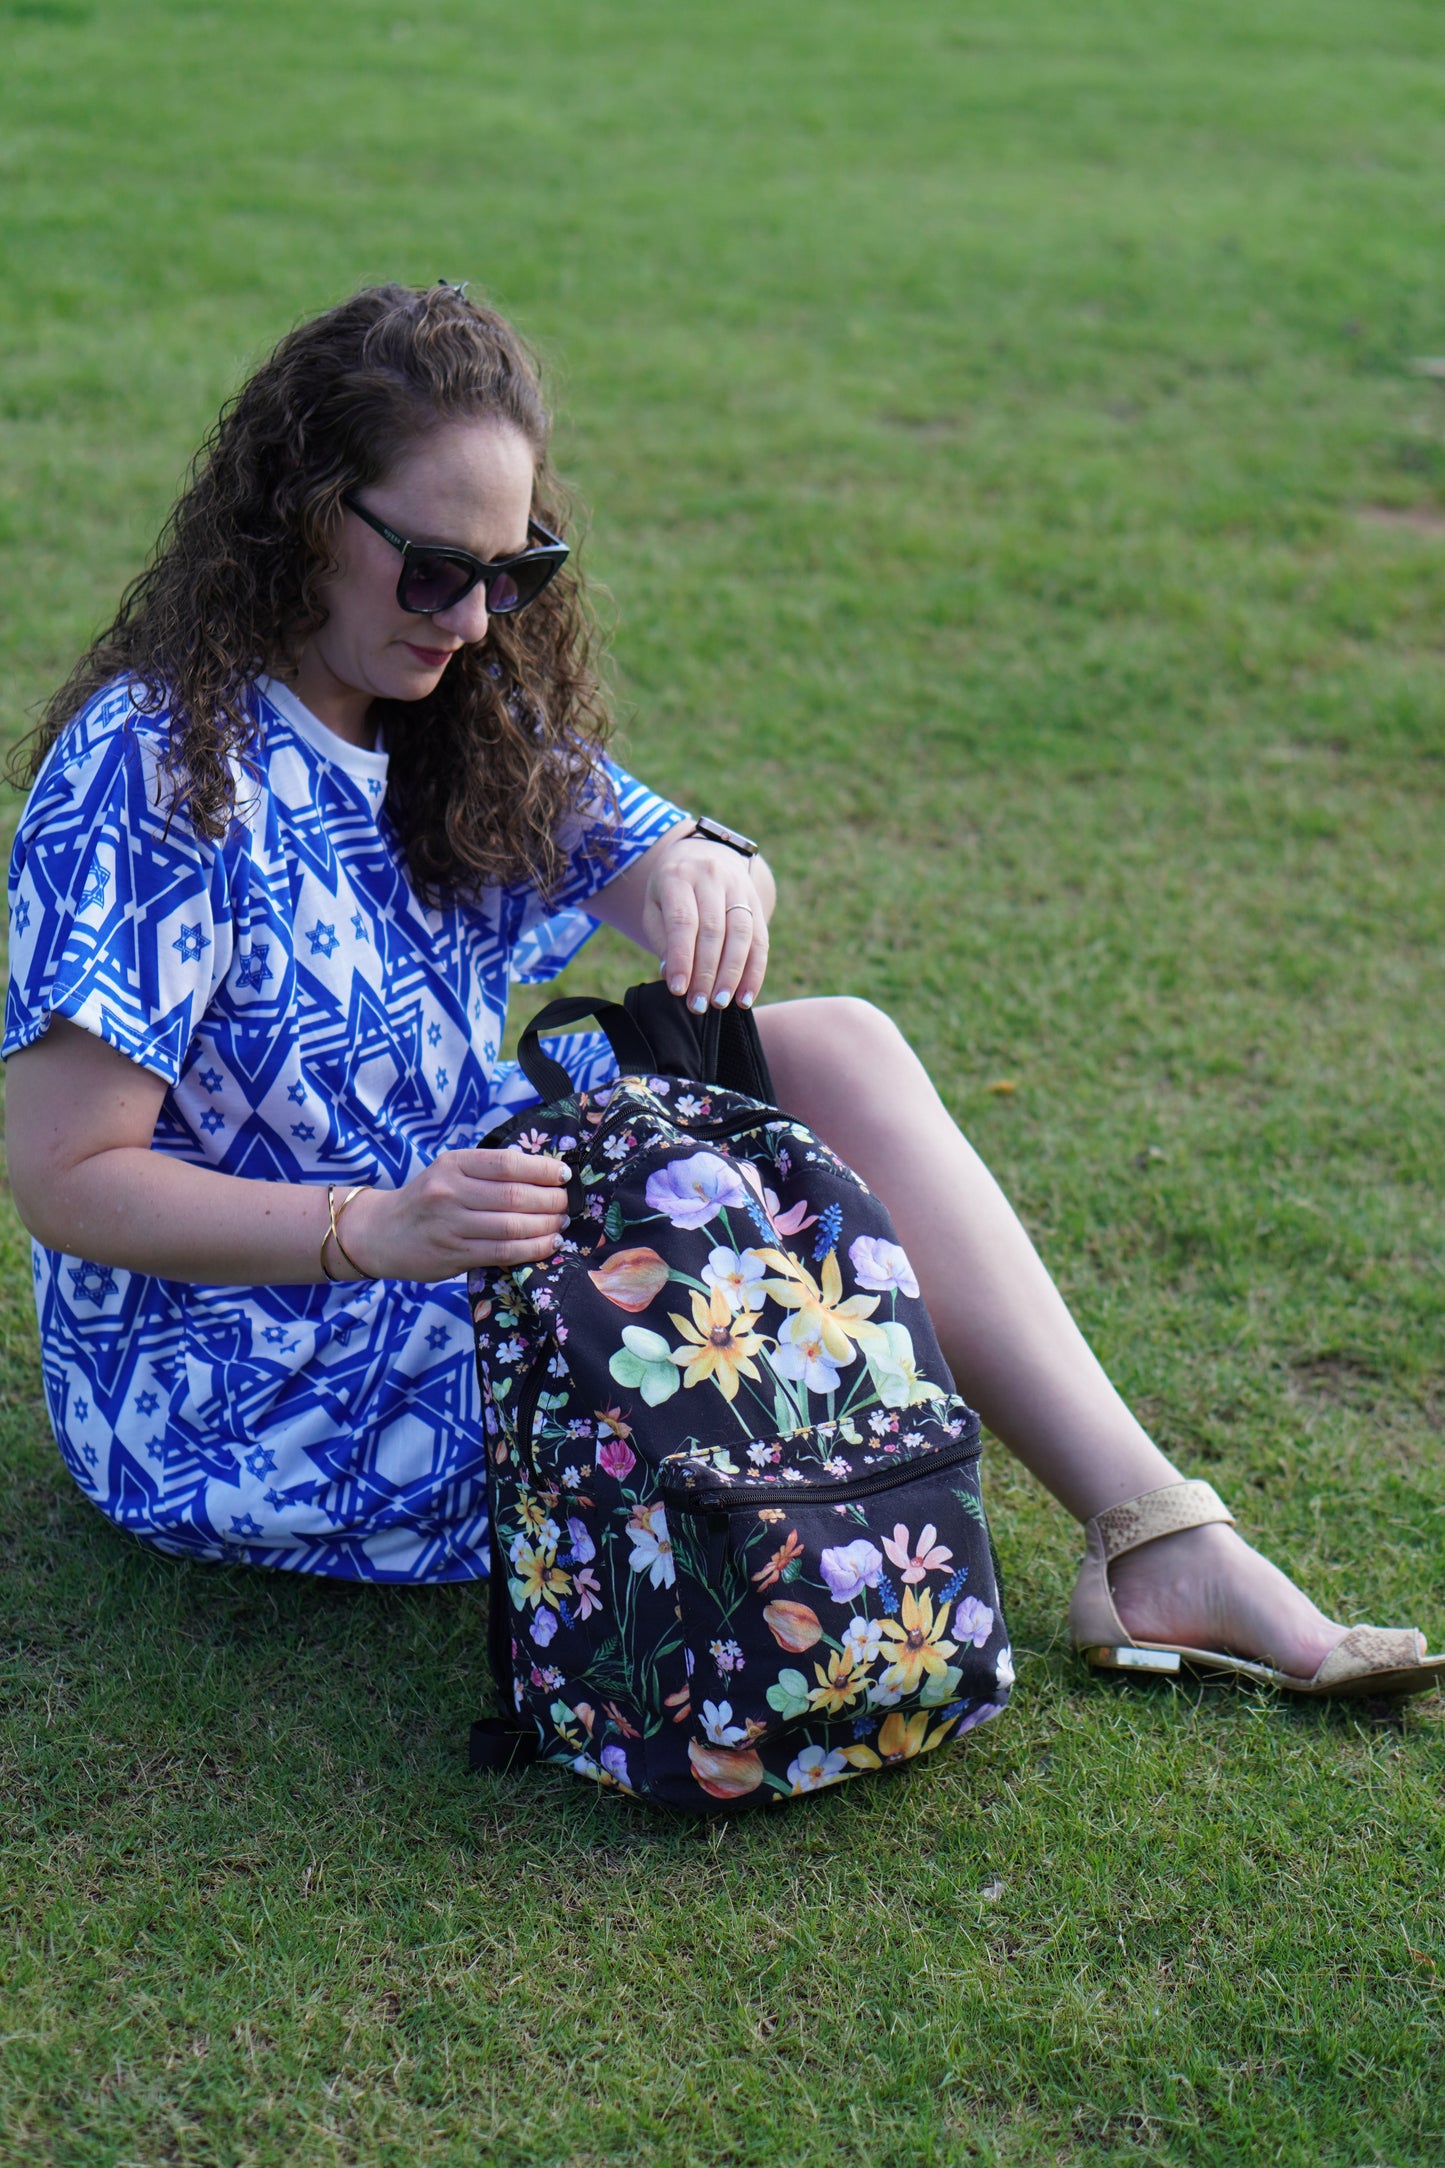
294, 1707
278, 1694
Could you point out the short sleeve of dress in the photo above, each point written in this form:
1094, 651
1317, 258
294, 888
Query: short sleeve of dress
118, 912
599, 842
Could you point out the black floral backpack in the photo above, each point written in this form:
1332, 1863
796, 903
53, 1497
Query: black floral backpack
738, 1546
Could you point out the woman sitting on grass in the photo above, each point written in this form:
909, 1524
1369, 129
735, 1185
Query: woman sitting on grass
332, 777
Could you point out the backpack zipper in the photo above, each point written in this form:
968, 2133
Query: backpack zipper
727, 1125
731, 1125
737, 1498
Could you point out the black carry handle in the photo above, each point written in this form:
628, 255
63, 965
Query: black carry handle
653, 1033
547, 1077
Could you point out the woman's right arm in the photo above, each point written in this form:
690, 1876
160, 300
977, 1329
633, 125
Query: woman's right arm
79, 1121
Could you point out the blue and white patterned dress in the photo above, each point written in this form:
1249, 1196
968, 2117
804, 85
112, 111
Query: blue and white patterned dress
312, 1022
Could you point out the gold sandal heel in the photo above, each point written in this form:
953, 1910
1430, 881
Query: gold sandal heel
1133, 1659
1365, 1660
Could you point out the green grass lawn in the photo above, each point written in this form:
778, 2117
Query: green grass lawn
1019, 508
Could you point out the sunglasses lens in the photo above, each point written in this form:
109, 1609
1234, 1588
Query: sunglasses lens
524, 580
432, 583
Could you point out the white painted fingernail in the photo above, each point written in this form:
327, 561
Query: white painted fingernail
677, 984
745, 1001
721, 999
698, 1004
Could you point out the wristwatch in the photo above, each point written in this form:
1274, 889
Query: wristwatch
709, 831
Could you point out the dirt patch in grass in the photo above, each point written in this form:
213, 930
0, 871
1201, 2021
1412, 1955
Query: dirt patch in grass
1402, 519
1337, 1380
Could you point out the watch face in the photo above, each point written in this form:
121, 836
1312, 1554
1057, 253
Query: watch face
715, 832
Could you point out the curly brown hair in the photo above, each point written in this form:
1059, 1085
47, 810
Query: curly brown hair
486, 768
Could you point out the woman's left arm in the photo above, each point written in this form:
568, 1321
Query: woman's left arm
702, 910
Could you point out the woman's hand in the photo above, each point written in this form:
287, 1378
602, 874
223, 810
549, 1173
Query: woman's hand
703, 911
466, 1209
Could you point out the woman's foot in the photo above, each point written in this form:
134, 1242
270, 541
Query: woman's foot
1205, 1588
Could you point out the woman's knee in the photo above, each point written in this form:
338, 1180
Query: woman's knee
838, 1036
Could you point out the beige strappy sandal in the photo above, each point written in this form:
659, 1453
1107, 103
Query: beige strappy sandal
1366, 1660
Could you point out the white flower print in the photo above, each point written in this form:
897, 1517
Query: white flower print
737, 1273
815, 1767
717, 1722
652, 1547
863, 1640
801, 1354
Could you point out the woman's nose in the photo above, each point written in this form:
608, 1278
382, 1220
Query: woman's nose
466, 620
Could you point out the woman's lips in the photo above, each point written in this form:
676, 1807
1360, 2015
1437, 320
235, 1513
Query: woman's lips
431, 658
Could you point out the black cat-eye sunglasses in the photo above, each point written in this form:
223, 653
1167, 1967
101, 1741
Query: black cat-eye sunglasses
435, 578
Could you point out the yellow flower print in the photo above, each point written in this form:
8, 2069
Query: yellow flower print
533, 1511
721, 1345
899, 1739
535, 1579
838, 1687
916, 1649
822, 1312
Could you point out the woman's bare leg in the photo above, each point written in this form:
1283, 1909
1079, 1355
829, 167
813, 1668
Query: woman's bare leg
843, 1067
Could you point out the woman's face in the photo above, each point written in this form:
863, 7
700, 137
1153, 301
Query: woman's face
467, 484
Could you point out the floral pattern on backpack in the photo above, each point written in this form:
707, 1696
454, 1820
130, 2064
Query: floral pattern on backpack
735, 1497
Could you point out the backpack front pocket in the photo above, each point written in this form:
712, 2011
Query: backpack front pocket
838, 1601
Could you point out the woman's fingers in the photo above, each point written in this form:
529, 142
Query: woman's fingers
468, 1208
483, 1164
535, 1252
707, 919
677, 911
737, 945
754, 971
707, 950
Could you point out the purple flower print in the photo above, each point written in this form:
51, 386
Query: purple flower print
881, 1265
850, 1568
614, 1761
544, 1625
972, 1622
692, 1191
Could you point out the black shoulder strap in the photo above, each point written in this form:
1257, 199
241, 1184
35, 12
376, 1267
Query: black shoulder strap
497, 1745
499, 1742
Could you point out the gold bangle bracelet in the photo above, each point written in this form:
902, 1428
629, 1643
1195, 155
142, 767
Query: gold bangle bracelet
332, 1234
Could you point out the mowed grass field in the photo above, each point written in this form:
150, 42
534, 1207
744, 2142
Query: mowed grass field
1019, 507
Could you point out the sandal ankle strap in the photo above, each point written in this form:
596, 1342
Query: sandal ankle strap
1162, 1512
